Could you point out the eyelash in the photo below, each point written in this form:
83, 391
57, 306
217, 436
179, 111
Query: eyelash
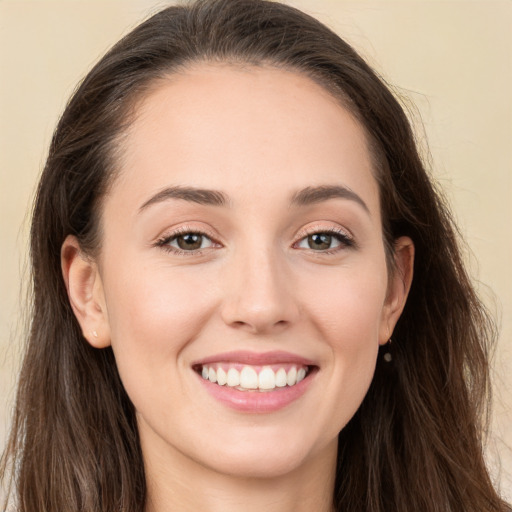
164, 242
341, 236
345, 240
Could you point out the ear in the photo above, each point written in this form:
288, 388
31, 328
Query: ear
85, 292
398, 287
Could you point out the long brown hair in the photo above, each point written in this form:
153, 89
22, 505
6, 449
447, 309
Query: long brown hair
415, 444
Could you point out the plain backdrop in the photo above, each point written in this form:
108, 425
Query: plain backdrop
450, 62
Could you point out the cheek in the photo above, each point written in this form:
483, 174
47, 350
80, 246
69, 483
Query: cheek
348, 313
348, 309
153, 315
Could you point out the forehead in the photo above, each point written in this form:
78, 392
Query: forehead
220, 126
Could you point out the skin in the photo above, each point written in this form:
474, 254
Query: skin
258, 135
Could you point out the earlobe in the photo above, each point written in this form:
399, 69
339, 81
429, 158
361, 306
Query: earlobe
85, 293
399, 286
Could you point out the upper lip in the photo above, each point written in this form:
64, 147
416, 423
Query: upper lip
255, 358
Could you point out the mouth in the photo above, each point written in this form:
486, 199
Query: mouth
250, 377
256, 383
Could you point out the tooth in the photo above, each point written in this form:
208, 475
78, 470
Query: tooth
267, 378
280, 378
248, 378
221, 377
233, 378
291, 378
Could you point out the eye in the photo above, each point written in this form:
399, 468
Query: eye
188, 241
325, 241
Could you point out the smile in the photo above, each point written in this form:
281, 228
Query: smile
256, 383
254, 378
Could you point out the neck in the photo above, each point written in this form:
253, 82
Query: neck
183, 484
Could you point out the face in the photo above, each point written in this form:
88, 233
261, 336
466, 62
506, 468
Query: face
242, 281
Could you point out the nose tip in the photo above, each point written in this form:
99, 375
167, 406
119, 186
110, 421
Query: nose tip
259, 298
257, 321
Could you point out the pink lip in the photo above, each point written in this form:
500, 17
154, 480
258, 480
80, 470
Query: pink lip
255, 359
257, 402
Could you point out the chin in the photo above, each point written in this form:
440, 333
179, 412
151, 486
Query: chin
261, 465
267, 457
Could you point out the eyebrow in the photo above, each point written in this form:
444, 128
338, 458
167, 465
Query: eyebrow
312, 195
306, 196
191, 194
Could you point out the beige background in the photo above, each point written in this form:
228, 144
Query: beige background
451, 61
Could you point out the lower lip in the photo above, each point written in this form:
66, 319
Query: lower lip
257, 401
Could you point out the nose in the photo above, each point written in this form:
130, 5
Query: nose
259, 294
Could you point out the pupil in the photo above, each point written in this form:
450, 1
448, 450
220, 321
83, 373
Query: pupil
190, 241
319, 241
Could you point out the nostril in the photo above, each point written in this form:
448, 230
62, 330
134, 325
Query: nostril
260, 326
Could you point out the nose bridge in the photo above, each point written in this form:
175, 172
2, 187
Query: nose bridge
258, 292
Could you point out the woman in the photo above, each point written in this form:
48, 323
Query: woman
246, 291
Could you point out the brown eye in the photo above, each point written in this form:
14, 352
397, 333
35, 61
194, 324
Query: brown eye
189, 241
320, 241
325, 241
